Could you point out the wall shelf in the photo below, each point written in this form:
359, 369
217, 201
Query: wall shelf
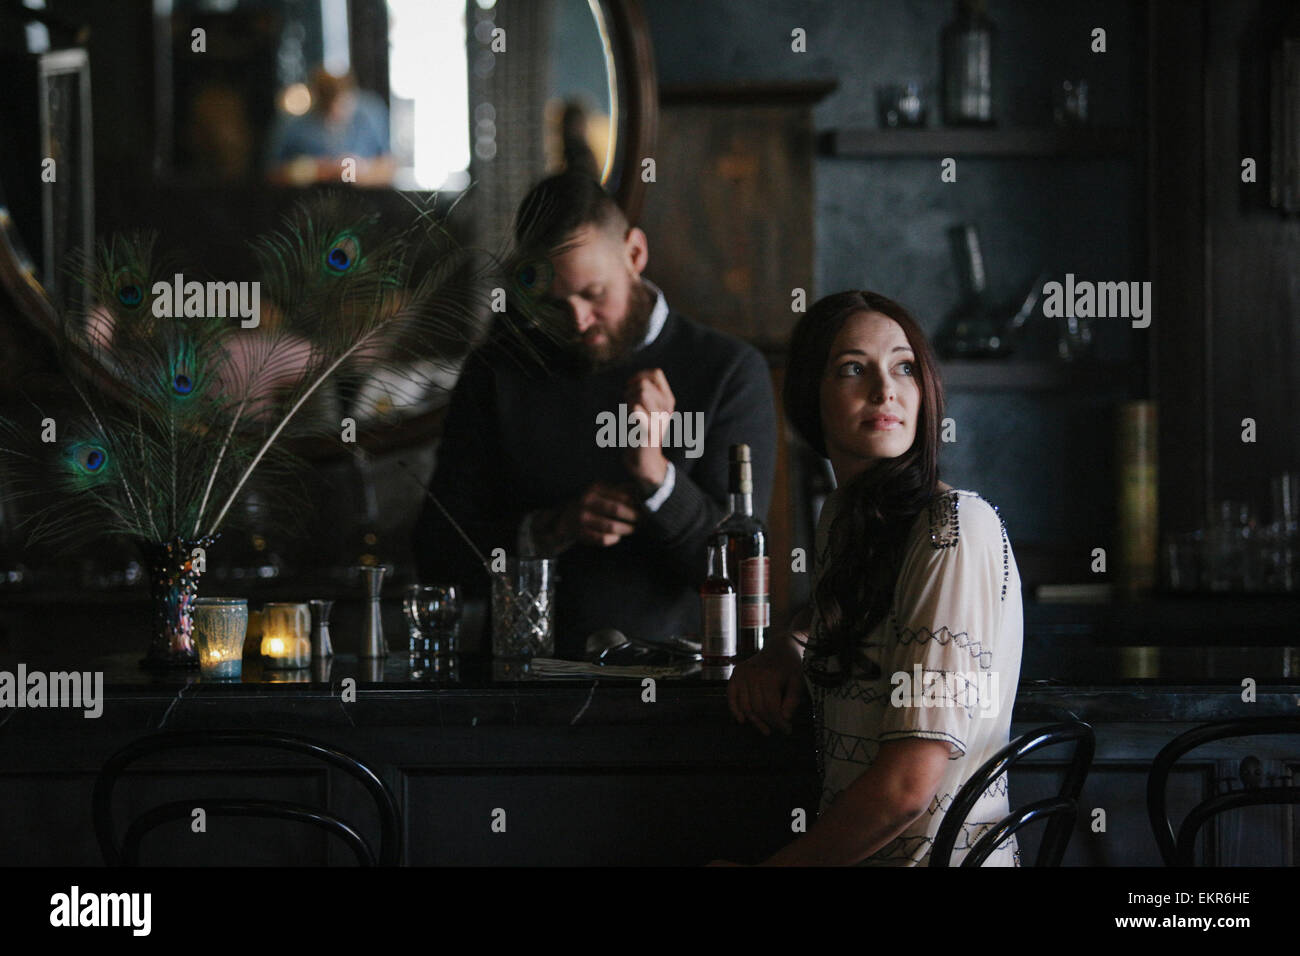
1076, 142
1012, 374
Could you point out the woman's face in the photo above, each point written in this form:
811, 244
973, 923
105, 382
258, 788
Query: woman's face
870, 395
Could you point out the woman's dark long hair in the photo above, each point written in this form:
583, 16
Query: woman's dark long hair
866, 540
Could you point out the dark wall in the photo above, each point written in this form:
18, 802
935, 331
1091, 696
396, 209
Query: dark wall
1045, 457
1254, 253
881, 222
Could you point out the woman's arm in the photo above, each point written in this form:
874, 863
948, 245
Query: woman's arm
766, 689
799, 628
879, 805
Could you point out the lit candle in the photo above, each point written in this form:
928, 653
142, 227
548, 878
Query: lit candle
219, 627
285, 643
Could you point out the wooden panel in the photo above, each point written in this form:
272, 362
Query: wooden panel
48, 820
780, 515
1255, 289
1177, 258
729, 217
652, 818
1227, 303
612, 794
1023, 141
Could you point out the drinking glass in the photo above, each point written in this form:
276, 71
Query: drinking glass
1071, 103
433, 619
1278, 548
1074, 341
1230, 550
1286, 498
220, 624
286, 635
901, 104
523, 609
1183, 561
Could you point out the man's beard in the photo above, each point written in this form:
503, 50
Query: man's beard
627, 339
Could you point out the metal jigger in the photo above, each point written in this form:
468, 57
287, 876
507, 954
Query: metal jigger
320, 669
320, 628
372, 638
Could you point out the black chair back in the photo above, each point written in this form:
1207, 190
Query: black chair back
1180, 850
127, 854
1060, 811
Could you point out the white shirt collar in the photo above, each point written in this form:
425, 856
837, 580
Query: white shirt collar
658, 315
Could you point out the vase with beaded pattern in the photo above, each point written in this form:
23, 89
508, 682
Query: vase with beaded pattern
174, 567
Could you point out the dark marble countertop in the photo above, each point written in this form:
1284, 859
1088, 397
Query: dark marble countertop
1073, 663
1141, 684
1084, 661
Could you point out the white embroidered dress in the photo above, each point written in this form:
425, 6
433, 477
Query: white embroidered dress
949, 660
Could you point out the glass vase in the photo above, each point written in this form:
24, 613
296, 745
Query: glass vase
174, 568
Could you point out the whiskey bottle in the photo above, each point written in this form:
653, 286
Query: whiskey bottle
748, 564
718, 607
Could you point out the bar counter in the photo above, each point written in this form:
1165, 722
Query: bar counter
586, 770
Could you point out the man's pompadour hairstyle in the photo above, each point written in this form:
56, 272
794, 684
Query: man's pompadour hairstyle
559, 206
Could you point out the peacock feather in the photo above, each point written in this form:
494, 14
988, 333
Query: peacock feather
165, 417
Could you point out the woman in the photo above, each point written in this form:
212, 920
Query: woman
913, 637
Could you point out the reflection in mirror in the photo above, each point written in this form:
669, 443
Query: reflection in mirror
428, 81
47, 144
274, 95
579, 109
414, 94
543, 96
417, 95
474, 100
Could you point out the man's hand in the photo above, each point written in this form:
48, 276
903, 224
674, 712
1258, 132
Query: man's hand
602, 515
648, 392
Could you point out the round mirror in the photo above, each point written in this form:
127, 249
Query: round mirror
455, 105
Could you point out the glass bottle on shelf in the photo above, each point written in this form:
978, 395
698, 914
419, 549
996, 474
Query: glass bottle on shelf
973, 328
968, 66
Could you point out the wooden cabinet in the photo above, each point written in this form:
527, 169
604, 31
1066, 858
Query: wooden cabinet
730, 213
578, 774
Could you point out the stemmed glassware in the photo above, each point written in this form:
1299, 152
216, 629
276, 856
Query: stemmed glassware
433, 613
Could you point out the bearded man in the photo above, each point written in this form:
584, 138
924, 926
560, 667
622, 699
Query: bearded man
526, 462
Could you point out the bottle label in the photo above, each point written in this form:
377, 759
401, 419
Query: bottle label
719, 625
755, 602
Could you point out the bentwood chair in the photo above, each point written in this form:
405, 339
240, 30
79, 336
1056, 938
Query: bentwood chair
1060, 811
128, 852
1180, 850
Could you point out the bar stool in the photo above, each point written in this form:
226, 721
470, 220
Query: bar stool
1180, 850
1061, 811
128, 853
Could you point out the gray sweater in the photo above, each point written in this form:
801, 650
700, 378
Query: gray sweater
518, 438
